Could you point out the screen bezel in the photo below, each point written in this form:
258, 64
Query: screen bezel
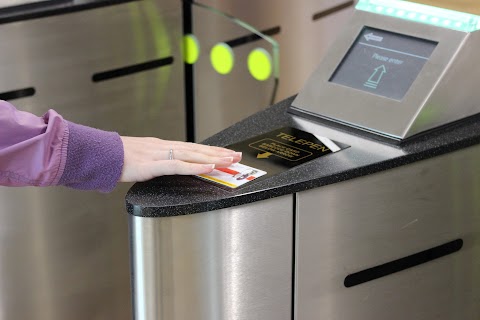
368, 111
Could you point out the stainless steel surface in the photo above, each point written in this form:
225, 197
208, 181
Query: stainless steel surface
233, 263
93, 41
354, 225
64, 253
443, 92
228, 99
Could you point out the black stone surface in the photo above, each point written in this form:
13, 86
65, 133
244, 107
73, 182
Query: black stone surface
181, 195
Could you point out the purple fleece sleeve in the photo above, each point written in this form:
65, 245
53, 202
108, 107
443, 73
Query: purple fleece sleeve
32, 149
94, 159
47, 150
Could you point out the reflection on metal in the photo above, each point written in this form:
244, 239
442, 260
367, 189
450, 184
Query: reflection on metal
233, 263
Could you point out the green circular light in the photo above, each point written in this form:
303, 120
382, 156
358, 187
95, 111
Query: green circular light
222, 58
260, 64
191, 49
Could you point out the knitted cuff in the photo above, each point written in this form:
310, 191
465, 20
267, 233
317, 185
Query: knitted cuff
94, 159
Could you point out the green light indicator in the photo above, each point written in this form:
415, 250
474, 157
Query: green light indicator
222, 58
422, 13
260, 64
191, 49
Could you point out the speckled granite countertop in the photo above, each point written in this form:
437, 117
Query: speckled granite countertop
181, 195
46, 8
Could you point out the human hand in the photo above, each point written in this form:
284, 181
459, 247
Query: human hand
147, 158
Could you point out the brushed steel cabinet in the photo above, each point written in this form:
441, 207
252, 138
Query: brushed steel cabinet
233, 263
352, 226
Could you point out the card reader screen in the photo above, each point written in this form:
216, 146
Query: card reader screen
383, 63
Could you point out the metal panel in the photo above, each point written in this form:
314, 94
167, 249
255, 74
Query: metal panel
60, 66
233, 263
428, 103
351, 226
63, 253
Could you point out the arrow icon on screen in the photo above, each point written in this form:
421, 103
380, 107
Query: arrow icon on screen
263, 155
375, 78
373, 37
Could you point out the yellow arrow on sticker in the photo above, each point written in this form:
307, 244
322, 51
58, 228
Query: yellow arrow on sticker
263, 155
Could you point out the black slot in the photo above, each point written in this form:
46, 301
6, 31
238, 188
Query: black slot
17, 94
252, 37
321, 14
403, 263
128, 70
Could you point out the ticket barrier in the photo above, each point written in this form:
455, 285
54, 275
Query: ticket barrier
362, 195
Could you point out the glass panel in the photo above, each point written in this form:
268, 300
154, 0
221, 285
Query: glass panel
236, 73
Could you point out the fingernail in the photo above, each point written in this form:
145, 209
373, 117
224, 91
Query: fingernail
209, 166
227, 159
238, 154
